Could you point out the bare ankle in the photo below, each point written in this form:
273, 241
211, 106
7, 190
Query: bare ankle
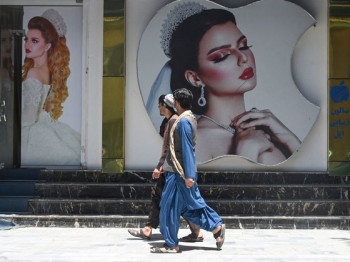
200, 233
147, 229
216, 230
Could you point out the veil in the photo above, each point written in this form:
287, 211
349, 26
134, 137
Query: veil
161, 86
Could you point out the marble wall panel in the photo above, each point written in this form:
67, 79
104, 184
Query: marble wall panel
223, 207
203, 177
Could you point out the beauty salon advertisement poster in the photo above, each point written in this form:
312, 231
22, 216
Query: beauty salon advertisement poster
61, 136
273, 29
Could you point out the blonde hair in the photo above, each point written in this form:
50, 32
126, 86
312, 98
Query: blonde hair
58, 57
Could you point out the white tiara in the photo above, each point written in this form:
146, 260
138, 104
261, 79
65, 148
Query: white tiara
56, 20
176, 17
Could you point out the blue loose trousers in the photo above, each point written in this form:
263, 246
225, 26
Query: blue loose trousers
179, 200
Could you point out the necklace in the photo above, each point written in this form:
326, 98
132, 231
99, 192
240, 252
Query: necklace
228, 128
41, 65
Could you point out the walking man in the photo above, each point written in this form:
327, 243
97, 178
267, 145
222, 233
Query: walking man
166, 108
181, 195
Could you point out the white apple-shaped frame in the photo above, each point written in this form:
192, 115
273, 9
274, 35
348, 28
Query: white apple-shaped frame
273, 27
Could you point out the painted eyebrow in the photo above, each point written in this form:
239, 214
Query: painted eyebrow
241, 38
225, 46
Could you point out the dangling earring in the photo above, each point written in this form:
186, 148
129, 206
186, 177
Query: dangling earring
201, 100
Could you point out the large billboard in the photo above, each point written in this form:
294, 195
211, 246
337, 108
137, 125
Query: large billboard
51, 86
237, 63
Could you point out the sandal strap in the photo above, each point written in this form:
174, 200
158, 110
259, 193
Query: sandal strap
141, 233
167, 249
217, 234
133, 232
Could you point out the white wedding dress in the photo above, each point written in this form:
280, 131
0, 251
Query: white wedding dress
45, 141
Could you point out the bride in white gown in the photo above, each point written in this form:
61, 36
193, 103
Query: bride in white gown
45, 140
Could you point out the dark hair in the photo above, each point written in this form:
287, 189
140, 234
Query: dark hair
170, 109
184, 47
161, 100
184, 97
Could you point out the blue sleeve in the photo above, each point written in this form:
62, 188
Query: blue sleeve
185, 130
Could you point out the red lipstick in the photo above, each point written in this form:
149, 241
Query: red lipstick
28, 51
247, 74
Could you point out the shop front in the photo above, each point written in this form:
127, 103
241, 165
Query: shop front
264, 71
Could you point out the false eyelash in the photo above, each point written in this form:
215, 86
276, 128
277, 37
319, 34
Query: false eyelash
246, 47
217, 60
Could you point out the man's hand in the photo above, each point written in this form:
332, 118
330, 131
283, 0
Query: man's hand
156, 173
161, 170
189, 182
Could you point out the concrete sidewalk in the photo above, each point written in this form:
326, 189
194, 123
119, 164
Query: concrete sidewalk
115, 244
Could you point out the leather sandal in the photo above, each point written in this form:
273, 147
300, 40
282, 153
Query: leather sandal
139, 234
221, 234
191, 238
164, 249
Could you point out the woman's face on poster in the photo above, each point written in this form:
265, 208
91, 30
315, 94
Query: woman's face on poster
6, 44
35, 45
226, 63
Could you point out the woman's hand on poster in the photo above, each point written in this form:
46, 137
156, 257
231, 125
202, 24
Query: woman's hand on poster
266, 118
251, 142
189, 182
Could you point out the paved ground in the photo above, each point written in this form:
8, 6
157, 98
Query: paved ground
115, 244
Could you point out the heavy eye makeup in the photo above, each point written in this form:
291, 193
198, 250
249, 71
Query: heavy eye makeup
243, 45
219, 55
222, 54
34, 40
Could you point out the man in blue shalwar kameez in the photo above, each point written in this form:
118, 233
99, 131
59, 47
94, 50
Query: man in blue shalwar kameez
181, 195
